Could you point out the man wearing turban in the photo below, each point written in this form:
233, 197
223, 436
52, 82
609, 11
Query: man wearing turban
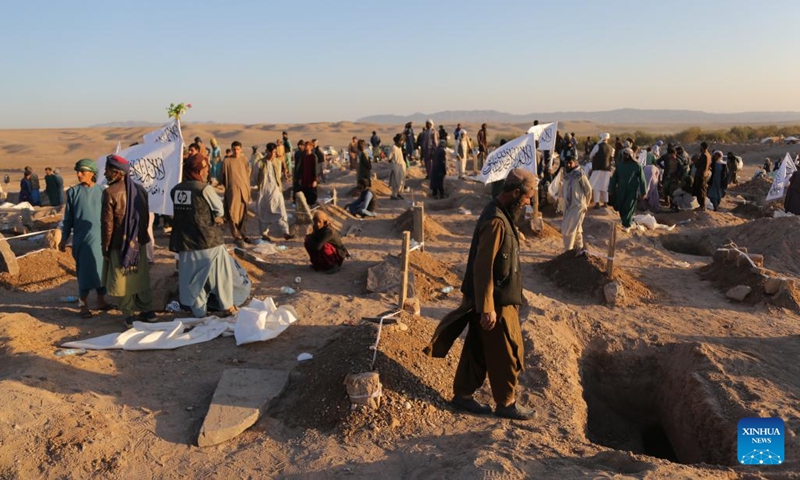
492, 294
82, 221
125, 215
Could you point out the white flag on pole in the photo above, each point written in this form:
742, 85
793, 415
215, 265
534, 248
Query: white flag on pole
781, 180
169, 132
518, 153
156, 167
546, 134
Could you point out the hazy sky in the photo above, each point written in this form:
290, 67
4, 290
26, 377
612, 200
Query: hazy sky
83, 62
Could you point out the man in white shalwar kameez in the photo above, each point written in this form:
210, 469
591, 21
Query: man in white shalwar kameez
601, 156
397, 176
462, 151
272, 219
575, 192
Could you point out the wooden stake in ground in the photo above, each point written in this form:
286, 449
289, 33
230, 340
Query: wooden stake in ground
404, 269
419, 225
612, 247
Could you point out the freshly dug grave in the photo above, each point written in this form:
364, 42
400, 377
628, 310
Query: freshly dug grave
750, 211
431, 276
427, 278
379, 187
431, 228
547, 231
586, 275
693, 219
657, 401
771, 237
724, 277
464, 199
755, 189
415, 387
40, 271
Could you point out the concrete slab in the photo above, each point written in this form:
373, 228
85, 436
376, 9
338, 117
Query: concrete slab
241, 397
8, 261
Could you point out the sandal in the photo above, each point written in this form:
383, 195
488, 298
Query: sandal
107, 307
85, 312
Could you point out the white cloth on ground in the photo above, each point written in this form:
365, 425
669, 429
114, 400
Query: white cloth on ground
189, 331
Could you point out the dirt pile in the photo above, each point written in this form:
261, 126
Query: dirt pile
765, 236
432, 229
755, 189
379, 187
693, 219
770, 237
415, 387
547, 231
753, 210
431, 276
41, 270
586, 275
724, 277
427, 279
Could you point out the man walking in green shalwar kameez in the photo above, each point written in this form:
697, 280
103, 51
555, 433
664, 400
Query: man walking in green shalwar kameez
627, 186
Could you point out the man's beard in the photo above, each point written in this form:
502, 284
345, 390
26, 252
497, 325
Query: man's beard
515, 208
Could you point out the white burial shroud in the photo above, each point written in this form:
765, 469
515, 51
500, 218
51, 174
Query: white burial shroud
259, 321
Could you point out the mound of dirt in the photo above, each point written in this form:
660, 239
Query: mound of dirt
431, 227
414, 386
724, 277
428, 277
40, 271
750, 210
547, 231
587, 275
697, 219
755, 189
771, 237
379, 187
431, 276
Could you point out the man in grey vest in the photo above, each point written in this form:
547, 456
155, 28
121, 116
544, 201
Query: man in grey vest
492, 294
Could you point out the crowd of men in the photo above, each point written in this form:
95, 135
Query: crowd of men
110, 226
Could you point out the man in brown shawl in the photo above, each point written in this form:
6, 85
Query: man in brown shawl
235, 176
492, 294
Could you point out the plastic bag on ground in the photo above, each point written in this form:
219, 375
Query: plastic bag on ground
262, 320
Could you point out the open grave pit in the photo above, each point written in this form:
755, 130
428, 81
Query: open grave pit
656, 401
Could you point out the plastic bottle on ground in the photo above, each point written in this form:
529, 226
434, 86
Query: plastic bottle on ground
69, 299
288, 290
70, 351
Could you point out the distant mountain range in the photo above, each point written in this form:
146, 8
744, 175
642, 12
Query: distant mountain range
620, 116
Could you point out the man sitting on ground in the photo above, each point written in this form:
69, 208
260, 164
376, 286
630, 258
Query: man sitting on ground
365, 205
324, 246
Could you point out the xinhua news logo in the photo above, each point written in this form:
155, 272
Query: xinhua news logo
760, 441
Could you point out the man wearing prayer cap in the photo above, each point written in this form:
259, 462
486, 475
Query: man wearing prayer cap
82, 221
492, 294
124, 216
205, 274
601, 156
